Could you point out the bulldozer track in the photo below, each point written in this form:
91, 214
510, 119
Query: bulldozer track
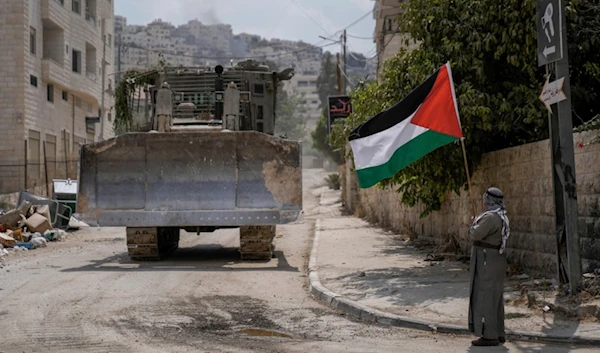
256, 242
151, 244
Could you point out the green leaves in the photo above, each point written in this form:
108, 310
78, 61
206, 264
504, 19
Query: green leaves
289, 120
326, 86
492, 47
124, 98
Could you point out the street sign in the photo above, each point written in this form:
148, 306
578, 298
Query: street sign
552, 92
549, 31
339, 107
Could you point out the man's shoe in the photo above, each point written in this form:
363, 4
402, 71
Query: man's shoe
501, 339
485, 342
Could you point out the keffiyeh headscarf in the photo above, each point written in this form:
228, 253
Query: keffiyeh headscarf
494, 199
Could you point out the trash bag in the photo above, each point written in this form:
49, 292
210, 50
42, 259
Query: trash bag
39, 242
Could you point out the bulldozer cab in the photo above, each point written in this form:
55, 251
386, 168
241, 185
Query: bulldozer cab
199, 94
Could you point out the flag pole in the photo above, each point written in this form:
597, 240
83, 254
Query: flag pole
473, 209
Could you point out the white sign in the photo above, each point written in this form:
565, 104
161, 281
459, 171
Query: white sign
552, 92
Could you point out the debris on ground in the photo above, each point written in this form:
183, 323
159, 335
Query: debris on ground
547, 296
29, 227
521, 276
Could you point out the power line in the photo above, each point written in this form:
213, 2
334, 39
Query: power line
359, 19
352, 24
358, 37
345, 75
309, 16
384, 46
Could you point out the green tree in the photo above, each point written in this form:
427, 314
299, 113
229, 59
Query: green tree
290, 122
327, 80
326, 86
321, 143
491, 46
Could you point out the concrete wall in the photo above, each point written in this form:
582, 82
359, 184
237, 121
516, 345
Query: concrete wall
524, 175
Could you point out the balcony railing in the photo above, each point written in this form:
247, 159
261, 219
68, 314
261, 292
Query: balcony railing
91, 19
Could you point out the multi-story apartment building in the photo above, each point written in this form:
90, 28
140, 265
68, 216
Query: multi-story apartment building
305, 88
56, 60
386, 35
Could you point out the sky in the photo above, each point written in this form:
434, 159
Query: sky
304, 20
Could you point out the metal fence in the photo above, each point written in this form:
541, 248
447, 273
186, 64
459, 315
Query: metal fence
36, 176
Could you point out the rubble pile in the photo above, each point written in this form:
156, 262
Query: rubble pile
27, 227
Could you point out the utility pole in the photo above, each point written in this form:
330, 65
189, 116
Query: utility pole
103, 66
553, 53
339, 74
118, 78
344, 50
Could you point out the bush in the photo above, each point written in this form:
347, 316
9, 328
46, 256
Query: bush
333, 180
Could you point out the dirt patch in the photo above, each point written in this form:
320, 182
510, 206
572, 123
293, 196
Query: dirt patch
198, 316
285, 183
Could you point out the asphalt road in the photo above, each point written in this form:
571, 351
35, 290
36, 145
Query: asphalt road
85, 295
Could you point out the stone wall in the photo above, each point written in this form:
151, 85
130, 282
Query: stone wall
12, 92
524, 175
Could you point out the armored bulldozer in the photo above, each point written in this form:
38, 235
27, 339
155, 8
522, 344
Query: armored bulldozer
206, 158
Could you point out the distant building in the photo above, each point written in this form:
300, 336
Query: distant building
198, 44
56, 58
386, 35
305, 88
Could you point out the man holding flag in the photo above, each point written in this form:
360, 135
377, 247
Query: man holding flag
422, 122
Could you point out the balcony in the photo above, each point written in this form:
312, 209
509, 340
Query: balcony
91, 76
85, 87
90, 12
53, 72
54, 13
91, 19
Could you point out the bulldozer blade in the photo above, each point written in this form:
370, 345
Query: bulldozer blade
213, 178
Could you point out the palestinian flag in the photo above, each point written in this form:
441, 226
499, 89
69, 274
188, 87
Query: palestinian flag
420, 123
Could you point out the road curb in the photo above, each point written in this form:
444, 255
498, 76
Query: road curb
338, 302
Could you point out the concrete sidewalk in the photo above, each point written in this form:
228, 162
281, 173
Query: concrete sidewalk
378, 276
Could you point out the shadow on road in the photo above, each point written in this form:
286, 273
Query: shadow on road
519, 347
205, 257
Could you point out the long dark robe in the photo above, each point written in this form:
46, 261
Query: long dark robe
488, 269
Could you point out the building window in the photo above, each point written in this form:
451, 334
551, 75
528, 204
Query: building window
33, 80
76, 6
33, 151
259, 112
109, 41
50, 93
259, 88
50, 150
76, 61
65, 96
32, 42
